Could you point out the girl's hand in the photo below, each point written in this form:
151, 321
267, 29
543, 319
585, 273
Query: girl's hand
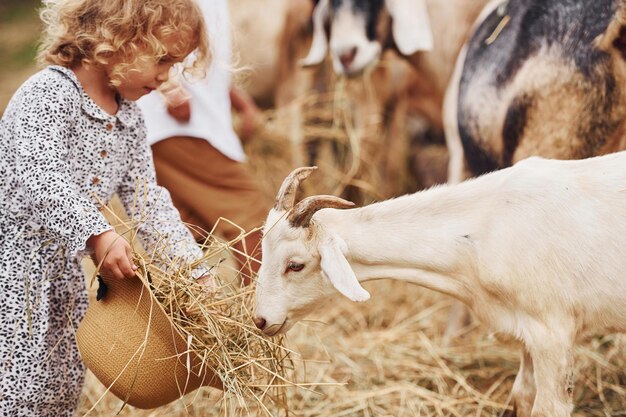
251, 117
177, 99
182, 112
114, 255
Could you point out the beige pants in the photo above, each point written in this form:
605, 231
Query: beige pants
206, 185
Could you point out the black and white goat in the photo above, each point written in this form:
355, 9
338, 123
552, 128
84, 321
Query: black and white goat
535, 251
541, 78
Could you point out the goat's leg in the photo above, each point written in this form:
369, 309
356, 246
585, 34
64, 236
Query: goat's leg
553, 373
524, 390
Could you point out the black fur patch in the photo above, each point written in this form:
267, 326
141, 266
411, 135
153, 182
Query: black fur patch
513, 128
620, 42
371, 9
478, 160
572, 24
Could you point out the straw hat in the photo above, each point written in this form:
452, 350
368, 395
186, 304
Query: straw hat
131, 346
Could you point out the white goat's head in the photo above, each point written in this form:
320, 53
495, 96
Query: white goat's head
359, 31
303, 263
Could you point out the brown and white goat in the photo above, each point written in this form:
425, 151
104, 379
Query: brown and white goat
535, 251
541, 78
536, 77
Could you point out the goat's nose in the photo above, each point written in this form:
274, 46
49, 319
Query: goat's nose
347, 57
260, 322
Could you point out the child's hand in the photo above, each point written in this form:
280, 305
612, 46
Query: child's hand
182, 112
114, 255
177, 99
250, 116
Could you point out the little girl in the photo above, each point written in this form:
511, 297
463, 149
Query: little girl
70, 138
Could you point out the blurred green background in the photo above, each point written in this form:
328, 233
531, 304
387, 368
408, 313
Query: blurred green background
19, 34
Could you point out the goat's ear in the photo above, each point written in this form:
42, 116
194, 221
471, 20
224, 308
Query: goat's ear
410, 25
319, 45
337, 269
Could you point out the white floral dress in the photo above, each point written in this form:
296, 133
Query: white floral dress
60, 156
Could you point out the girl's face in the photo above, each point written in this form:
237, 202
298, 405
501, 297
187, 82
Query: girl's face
141, 80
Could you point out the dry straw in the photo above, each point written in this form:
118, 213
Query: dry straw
321, 128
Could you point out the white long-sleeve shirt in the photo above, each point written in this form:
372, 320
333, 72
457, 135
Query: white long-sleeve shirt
210, 101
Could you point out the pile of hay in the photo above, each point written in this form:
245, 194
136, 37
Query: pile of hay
352, 150
389, 356
386, 358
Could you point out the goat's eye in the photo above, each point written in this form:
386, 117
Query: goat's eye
294, 266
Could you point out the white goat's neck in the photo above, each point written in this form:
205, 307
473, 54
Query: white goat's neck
425, 238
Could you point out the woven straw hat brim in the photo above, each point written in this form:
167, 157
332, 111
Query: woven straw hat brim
131, 346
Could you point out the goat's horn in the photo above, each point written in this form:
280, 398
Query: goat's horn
305, 209
287, 194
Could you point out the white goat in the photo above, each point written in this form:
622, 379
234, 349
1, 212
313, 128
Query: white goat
536, 251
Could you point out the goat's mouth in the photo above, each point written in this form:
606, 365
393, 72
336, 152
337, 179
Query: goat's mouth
358, 71
276, 329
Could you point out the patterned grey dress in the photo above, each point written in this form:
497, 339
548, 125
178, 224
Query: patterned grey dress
60, 155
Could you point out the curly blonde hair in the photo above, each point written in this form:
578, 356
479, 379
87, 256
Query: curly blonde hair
124, 33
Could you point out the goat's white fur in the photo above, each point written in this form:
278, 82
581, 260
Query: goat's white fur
536, 251
410, 25
319, 44
410, 28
